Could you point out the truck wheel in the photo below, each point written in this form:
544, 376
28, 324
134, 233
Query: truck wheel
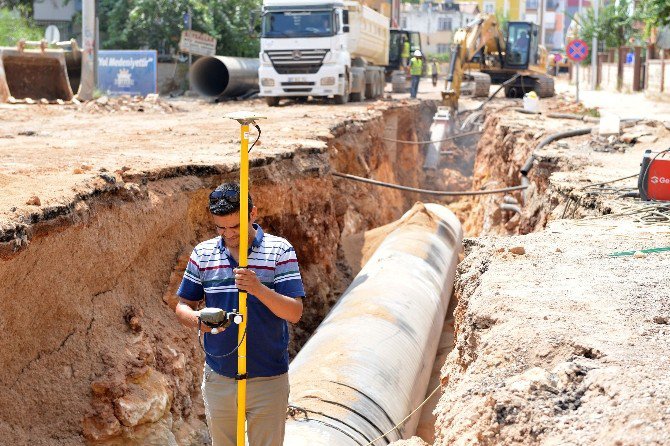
272, 101
357, 97
343, 98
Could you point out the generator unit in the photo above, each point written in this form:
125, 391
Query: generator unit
654, 179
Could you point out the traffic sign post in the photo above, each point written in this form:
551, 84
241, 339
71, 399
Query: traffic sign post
577, 50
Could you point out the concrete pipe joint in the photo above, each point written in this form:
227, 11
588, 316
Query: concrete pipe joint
368, 364
216, 76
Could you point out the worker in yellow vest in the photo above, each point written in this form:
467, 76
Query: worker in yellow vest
404, 53
415, 70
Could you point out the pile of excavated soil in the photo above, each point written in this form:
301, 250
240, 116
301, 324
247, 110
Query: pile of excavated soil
558, 341
563, 344
152, 103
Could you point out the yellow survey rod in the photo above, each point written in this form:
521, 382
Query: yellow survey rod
244, 246
244, 118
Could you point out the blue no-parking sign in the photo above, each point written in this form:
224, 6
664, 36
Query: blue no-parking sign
127, 72
577, 50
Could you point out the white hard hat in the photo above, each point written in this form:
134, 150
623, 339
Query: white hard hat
417, 53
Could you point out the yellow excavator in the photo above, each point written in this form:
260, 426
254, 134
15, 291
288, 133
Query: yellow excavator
515, 60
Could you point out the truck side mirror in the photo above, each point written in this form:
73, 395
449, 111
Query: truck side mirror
253, 19
345, 21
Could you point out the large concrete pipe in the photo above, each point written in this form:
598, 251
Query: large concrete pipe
368, 364
224, 76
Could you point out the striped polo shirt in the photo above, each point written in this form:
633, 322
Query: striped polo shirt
209, 274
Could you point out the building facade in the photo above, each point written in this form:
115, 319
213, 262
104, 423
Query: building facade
555, 20
60, 13
511, 9
436, 21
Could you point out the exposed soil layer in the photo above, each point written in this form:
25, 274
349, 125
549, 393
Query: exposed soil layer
557, 341
90, 273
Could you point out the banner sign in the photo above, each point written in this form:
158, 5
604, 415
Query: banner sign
193, 42
127, 72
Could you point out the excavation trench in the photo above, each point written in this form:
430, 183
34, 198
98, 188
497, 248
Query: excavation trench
96, 353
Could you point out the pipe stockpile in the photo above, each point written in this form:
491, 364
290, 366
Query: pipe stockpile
216, 76
368, 364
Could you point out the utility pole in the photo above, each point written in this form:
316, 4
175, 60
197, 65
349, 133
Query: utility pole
190, 27
594, 49
541, 14
579, 26
89, 57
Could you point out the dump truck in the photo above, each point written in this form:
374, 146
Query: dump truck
336, 50
36, 70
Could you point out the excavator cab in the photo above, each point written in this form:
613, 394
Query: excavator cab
522, 45
398, 36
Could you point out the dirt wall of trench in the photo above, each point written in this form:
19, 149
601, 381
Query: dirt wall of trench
556, 341
93, 352
508, 139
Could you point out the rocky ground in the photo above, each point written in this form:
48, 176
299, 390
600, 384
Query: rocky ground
562, 334
101, 207
557, 341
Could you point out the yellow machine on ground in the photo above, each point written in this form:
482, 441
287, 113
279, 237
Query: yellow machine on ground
515, 60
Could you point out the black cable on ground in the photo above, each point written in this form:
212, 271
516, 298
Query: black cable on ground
427, 191
548, 140
449, 138
503, 85
608, 182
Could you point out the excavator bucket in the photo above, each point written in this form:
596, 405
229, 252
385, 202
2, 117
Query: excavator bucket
34, 73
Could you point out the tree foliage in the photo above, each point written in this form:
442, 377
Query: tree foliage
14, 27
24, 7
614, 26
654, 14
157, 24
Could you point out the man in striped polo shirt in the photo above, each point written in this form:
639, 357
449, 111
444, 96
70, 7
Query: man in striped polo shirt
275, 291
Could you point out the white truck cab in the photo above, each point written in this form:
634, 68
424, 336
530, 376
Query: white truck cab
329, 50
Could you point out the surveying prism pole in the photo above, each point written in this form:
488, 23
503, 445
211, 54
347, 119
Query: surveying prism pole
245, 119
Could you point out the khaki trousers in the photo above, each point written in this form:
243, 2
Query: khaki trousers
267, 399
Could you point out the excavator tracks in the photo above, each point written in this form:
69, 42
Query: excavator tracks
482, 84
544, 86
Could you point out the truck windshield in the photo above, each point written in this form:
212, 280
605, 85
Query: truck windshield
298, 24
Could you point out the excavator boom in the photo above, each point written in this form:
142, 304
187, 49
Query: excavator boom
515, 57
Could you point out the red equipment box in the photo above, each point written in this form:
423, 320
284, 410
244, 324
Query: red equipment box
654, 179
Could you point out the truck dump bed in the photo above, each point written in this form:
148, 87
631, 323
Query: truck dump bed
369, 34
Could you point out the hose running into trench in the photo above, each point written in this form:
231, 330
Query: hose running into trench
449, 138
427, 191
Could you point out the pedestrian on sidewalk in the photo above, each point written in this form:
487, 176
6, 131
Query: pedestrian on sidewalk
275, 291
415, 70
433, 71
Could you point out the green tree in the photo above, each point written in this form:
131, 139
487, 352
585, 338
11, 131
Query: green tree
157, 24
614, 27
24, 7
503, 19
654, 14
14, 27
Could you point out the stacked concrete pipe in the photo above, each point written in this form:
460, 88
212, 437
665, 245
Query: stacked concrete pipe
219, 76
368, 364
